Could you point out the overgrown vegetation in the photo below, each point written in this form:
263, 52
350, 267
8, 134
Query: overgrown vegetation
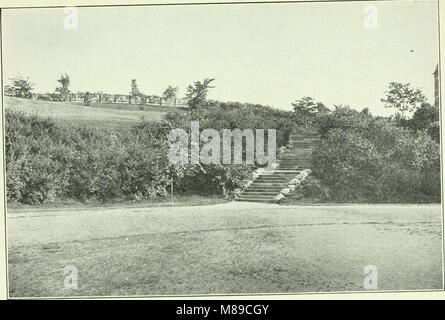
47, 159
363, 158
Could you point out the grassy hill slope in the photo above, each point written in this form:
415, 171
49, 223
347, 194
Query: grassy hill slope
95, 114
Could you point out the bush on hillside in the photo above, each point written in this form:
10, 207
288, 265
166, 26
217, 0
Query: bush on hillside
379, 163
48, 159
222, 179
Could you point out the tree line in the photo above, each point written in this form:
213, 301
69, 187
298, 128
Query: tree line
196, 93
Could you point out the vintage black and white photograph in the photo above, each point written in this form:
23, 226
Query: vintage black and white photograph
222, 149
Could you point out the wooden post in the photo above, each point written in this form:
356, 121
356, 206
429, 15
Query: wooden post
171, 189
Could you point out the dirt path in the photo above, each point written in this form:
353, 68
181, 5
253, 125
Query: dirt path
225, 248
43, 226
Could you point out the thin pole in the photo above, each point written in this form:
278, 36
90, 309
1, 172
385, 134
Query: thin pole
171, 189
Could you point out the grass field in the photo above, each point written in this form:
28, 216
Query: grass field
132, 107
224, 248
96, 114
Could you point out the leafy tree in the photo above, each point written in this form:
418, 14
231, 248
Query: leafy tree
19, 87
365, 111
63, 88
197, 93
426, 118
170, 93
306, 109
342, 117
403, 97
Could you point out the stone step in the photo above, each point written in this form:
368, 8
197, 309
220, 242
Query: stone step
266, 185
292, 173
255, 200
257, 196
259, 193
280, 173
296, 157
274, 191
273, 180
267, 188
259, 180
279, 181
273, 177
270, 183
281, 176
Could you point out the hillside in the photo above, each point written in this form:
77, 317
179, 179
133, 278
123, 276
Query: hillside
96, 114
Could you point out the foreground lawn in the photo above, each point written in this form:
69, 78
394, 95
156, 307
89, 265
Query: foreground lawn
226, 248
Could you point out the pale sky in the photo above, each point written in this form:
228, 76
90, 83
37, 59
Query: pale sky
270, 54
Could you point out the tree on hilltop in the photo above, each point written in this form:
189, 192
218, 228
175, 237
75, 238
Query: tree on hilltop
19, 87
170, 93
63, 89
197, 92
403, 97
306, 109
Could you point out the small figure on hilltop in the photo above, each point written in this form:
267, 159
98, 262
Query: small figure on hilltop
63, 90
87, 99
134, 94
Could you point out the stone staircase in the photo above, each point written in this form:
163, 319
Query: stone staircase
296, 157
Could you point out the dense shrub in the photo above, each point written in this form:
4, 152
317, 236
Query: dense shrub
426, 118
343, 117
379, 162
232, 115
222, 179
48, 159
